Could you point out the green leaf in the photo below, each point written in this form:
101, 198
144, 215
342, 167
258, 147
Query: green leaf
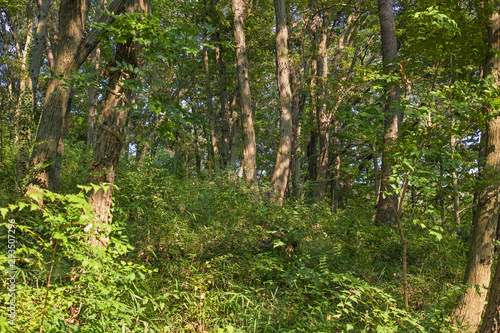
4, 212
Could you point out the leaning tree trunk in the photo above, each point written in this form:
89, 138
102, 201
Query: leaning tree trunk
73, 47
482, 249
245, 98
111, 131
282, 166
387, 204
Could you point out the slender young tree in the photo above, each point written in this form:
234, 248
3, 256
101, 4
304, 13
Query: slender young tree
223, 99
322, 112
245, 98
279, 179
214, 149
387, 204
482, 248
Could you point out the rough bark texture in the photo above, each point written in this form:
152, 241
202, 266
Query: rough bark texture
481, 253
23, 114
386, 210
49, 139
111, 131
282, 166
249, 145
73, 47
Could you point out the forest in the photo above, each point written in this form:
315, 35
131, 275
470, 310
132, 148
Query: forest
249, 166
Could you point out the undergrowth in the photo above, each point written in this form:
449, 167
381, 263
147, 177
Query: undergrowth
190, 255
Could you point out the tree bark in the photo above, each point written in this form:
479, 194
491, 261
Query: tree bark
481, 253
282, 166
73, 47
224, 107
38, 50
234, 124
111, 131
454, 181
321, 112
23, 115
245, 99
296, 129
94, 70
214, 150
386, 210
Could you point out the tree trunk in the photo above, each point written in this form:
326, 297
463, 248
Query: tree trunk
23, 116
454, 181
249, 145
91, 135
296, 128
38, 50
386, 210
481, 253
321, 112
111, 130
282, 166
224, 109
214, 150
73, 47
234, 124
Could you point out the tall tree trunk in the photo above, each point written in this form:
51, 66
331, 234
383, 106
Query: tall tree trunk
214, 150
234, 124
336, 172
386, 210
454, 180
73, 47
481, 253
312, 146
321, 112
224, 108
38, 50
282, 166
296, 128
111, 131
94, 70
249, 145
23, 115
91, 135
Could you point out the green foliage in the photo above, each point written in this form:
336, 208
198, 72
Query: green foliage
73, 286
228, 262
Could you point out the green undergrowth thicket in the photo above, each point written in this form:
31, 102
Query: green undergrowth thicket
191, 255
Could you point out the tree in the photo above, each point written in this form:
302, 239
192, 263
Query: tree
282, 166
245, 99
387, 202
73, 47
484, 230
112, 126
